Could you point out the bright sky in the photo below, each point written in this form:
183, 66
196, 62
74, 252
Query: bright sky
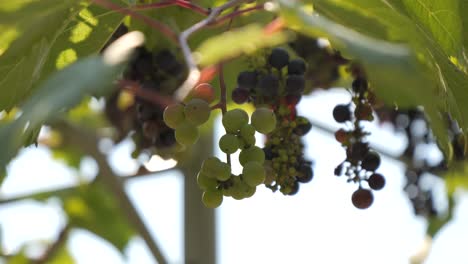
318, 225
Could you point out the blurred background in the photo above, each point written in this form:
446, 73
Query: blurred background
317, 225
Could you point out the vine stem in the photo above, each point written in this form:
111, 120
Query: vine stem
151, 96
236, 14
181, 3
149, 21
194, 72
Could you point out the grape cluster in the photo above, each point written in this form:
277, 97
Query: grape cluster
323, 63
361, 162
279, 86
160, 73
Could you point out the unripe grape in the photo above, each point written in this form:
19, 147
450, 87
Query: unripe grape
233, 120
212, 198
253, 153
186, 134
362, 198
278, 58
214, 168
174, 115
203, 91
229, 143
205, 182
253, 173
197, 111
264, 120
247, 132
224, 172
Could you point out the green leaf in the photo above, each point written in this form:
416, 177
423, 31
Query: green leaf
95, 209
236, 42
62, 91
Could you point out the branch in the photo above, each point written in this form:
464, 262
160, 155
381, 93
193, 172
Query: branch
146, 94
149, 21
181, 3
194, 72
236, 14
53, 249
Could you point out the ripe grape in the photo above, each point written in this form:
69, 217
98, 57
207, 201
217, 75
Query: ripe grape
278, 58
205, 182
240, 95
253, 173
305, 173
253, 153
264, 120
197, 111
186, 134
338, 170
229, 143
294, 188
212, 198
296, 66
371, 161
202, 91
341, 113
247, 80
269, 85
303, 128
233, 120
357, 151
174, 115
362, 198
376, 181
295, 84
167, 62
341, 135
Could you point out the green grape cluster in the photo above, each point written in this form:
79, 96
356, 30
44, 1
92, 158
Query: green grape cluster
185, 119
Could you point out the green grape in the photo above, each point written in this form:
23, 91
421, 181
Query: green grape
248, 190
237, 189
214, 168
270, 173
205, 182
247, 132
233, 120
197, 111
186, 134
253, 173
174, 115
229, 143
212, 198
242, 143
264, 120
253, 153
227, 192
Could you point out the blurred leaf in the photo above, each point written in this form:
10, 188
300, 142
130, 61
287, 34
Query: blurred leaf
50, 35
19, 258
63, 256
233, 43
62, 91
96, 210
419, 74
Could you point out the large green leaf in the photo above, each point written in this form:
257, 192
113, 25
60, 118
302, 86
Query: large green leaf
50, 35
423, 75
62, 91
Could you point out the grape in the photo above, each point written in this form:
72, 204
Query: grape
202, 91
338, 170
295, 84
357, 151
253, 153
376, 181
229, 143
363, 112
214, 168
247, 80
205, 182
197, 111
233, 120
341, 135
223, 172
237, 188
371, 161
253, 173
362, 198
264, 120
359, 85
269, 155
247, 132
293, 99
294, 188
305, 173
296, 66
174, 115
167, 62
278, 58
303, 128
269, 85
212, 198
186, 134
341, 113
240, 95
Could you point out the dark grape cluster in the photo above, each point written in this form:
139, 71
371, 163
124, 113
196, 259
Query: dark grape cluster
159, 72
361, 162
277, 87
323, 63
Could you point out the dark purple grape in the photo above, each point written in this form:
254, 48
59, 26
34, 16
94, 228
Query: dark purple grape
359, 85
376, 181
166, 61
357, 151
338, 170
166, 139
295, 84
293, 99
302, 129
269, 85
296, 66
278, 58
269, 155
341, 113
240, 95
305, 173
371, 161
362, 198
247, 80
294, 188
